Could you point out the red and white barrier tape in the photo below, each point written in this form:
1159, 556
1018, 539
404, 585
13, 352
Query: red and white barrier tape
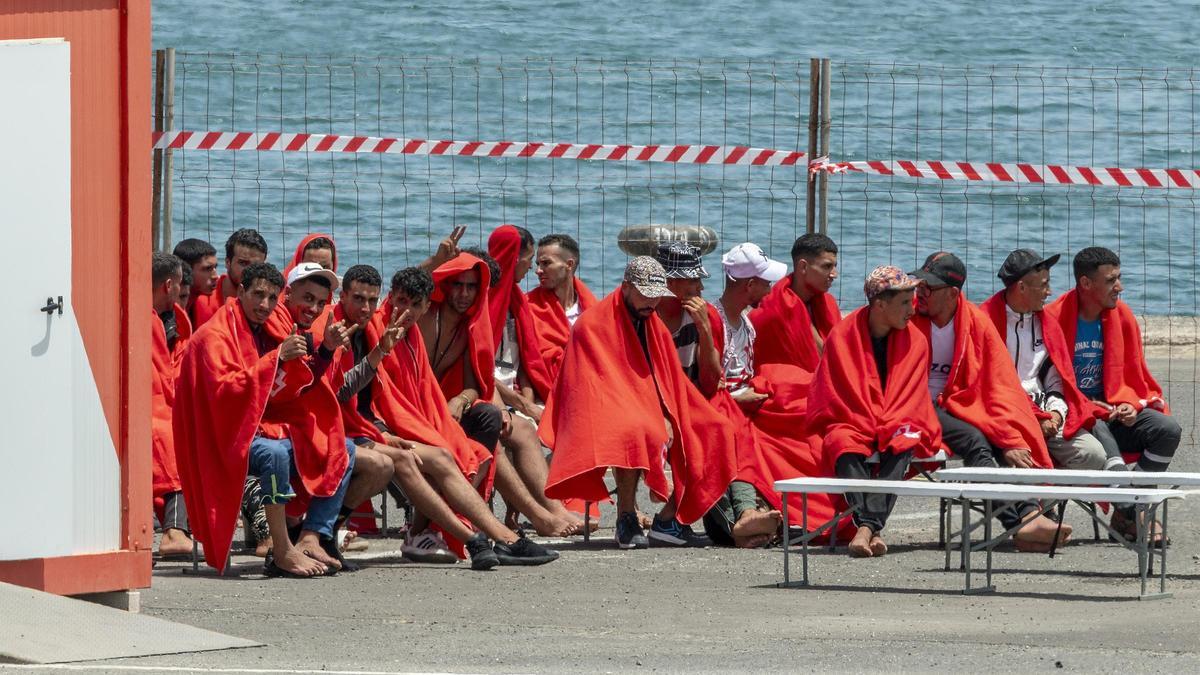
1052, 174
735, 155
732, 155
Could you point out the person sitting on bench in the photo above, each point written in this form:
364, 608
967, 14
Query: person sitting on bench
870, 395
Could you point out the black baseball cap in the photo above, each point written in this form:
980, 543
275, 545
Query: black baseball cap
1023, 261
942, 269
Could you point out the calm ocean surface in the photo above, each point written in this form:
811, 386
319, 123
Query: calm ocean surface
388, 213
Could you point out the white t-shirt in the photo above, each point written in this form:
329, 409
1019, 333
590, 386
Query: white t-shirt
573, 313
738, 357
941, 352
508, 357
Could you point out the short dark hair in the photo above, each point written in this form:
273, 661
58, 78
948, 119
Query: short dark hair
526, 237
187, 276
813, 244
414, 282
564, 241
248, 237
164, 266
320, 243
262, 270
363, 274
318, 280
493, 266
192, 251
1093, 258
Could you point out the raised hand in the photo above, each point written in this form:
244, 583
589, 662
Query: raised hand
395, 331
448, 248
695, 307
336, 333
293, 346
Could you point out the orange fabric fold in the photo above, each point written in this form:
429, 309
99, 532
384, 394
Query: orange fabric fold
783, 325
608, 406
164, 370
224, 391
850, 409
1081, 413
982, 388
504, 245
550, 323
1127, 378
481, 349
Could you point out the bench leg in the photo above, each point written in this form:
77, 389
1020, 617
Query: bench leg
987, 536
942, 524
587, 522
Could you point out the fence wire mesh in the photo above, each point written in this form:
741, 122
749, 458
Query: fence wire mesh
390, 210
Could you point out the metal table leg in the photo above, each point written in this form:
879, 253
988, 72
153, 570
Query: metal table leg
787, 544
804, 529
587, 522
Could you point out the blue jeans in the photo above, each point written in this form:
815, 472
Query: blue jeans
274, 463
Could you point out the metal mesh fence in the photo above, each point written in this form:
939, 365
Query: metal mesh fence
392, 210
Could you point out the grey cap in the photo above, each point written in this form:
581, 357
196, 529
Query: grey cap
648, 276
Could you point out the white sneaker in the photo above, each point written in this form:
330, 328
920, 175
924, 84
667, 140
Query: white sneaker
428, 547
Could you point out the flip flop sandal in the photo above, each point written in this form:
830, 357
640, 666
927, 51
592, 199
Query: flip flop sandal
273, 571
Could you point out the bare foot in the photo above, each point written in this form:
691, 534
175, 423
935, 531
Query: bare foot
753, 523
558, 527
262, 548
511, 518
860, 545
174, 542
878, 547
753, 541
310, 545
1037, 535
294, 561
644, 520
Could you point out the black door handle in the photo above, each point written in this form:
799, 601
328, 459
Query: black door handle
51, 305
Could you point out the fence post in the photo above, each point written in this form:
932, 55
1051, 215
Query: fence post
156, 180
814, 113
168, 125
826, 118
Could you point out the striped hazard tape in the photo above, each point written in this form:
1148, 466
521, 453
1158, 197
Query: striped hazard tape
735, 155
1051, 174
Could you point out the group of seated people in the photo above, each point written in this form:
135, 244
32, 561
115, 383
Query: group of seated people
290, 398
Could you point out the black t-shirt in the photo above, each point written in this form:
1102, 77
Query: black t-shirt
358, 344
170, 327
879, 347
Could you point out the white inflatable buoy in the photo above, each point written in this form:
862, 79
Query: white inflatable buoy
644, 239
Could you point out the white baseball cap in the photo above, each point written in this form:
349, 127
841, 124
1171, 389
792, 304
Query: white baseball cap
310, 269
747, 261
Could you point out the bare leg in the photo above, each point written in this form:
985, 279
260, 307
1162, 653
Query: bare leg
510, 486
424, 498
531, 465
627, 483
442, 471
288, 557
372, 471
667, 512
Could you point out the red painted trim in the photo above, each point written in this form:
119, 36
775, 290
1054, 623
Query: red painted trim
79, 574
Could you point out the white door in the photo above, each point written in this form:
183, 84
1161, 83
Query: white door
56, 483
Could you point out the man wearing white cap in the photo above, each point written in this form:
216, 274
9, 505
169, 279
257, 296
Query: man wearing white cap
310, 287
749, 274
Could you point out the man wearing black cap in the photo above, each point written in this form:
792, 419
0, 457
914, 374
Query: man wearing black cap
986, 419
1043, 362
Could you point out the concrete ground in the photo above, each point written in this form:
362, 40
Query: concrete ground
602, 610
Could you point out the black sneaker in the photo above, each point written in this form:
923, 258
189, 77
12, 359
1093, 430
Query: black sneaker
629, 532
480, 550
329, 545
524, 552
673, 533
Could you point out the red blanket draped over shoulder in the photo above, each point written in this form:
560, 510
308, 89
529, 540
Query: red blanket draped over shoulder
481, 350
784, 326
298, 256
224, 392
507, 299
550, 323
407, 397
203, 307
851, 410
1127, 378
772, 443
1081, 413
164, 369
982, 388
607, 409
